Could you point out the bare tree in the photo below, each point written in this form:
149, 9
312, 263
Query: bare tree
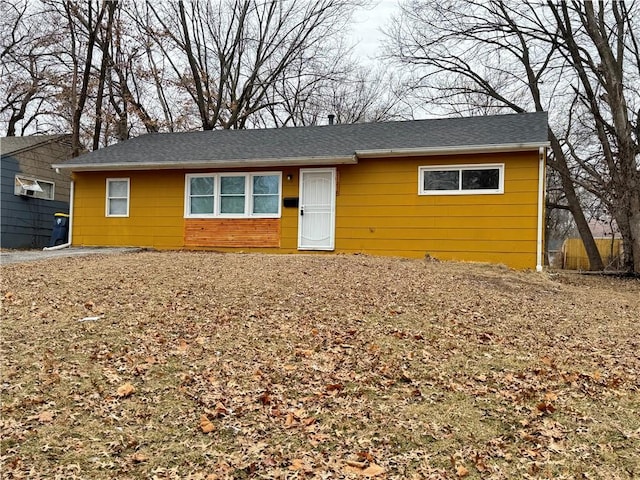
26, 66
351, 93
569, 59
608, 93
108, 70
227, 56
85, 23
129, 82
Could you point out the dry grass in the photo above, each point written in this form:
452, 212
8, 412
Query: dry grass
315, 367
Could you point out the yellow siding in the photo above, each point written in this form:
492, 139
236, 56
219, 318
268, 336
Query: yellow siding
378, 211
155, 211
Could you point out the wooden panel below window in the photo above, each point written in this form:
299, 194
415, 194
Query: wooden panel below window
232, 232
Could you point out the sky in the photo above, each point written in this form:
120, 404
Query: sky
368, 23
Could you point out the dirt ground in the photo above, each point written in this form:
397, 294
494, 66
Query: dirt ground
205, 366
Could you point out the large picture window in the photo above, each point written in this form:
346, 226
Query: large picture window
461, 179
117, 197
235, 195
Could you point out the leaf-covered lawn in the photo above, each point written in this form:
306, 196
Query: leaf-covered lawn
206, 366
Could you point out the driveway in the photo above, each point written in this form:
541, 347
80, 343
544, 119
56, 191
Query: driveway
21, 256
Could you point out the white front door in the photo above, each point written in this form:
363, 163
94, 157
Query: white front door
317, 209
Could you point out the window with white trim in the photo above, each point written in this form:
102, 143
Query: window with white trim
33, 187
461, 179
233, 195
117, 197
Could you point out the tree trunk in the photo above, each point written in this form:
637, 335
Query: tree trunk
201, 102
92, 31
559, 163
628, 221
104, 64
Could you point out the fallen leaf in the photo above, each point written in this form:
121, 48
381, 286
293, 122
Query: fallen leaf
297, 464
125, 390
141, 368
550, 397
206, 425
556, 447
221, 410
480, 464
373, 470
139, 457
290, 420
366, 456
615, 382
462, 471
548, 361
545, 407
361, 468
265, 398
357, 464
183, 346
46, 416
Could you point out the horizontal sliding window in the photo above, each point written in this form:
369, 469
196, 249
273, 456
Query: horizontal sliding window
234, 195
461, 179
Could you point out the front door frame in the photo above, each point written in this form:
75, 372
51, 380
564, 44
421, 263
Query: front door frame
330, 246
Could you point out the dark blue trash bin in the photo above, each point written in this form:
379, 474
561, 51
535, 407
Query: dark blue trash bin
60, 234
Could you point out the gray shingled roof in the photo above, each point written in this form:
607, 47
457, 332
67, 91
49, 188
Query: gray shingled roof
313, 144
11, 145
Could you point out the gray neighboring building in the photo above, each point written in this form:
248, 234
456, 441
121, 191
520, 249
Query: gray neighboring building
31, 191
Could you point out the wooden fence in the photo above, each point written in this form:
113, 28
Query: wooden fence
574, 255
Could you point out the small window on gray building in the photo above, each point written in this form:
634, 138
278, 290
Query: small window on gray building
32, 187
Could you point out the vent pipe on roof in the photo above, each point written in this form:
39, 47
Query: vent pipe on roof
331, 117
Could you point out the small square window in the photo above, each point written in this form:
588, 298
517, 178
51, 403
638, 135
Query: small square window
117, 197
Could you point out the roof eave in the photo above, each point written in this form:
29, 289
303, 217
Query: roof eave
450, 150
238, 163
305, 161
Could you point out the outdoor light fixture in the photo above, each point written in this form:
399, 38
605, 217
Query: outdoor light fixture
289, 177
